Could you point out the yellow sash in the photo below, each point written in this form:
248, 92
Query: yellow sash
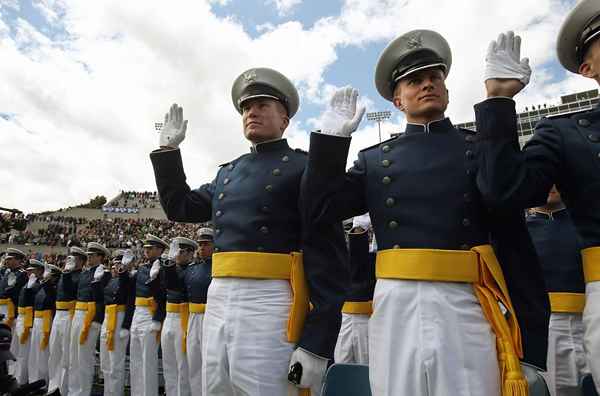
151, 304
480, 267
184, 314
270, 266
110, 312
27, 313
66, 306
10, 311
567, 302
90, 308
197, 308
358, 307
591, 264
46, 316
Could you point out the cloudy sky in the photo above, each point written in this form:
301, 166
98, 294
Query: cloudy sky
82, 82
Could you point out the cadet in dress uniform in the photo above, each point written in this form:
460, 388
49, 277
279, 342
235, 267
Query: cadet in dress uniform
147, 320
85, 326
12, 281
353, 341
60, 335
43, 312
258, 300
436, 322
118, 300
34, 271
563, 151
556, 242
174, 334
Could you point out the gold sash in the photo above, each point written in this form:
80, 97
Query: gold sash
197, 308
66, 306
358, 307
270, 266
151, 304
480, 267
46, 316
110, 312
591, 264
566, 302
27, 313
90, 308
184, 314
10, 311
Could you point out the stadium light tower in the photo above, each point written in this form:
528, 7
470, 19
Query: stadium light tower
158, 126
379, 117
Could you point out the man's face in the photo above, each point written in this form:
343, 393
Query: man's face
422, 94
206, 249
263, 119
12, 262
184, 256
152, 252
590, 67
94, 259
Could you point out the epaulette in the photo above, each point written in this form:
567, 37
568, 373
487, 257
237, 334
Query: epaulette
467, 131
380, 143
224, 164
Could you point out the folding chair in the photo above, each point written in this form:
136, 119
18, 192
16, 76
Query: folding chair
347, 380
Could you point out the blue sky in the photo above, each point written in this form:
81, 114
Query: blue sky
82, 83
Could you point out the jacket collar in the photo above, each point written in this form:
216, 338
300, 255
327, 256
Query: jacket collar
436, 126
271, 145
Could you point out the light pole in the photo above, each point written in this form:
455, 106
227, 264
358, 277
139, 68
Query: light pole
379, 117
158, 126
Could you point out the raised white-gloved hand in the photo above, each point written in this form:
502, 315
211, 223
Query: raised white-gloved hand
503, 59
155, 269
123, 333
31, 281
174, 127
69, 264
12, 279
47, 273
362, 221
312, 370
155, 326
98, 273
342, 117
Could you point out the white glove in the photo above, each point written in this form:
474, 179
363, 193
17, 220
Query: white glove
47, 273
173, 130
123, 333
70, 264
31, 281
155, 326
128, 257
155, 269
503, 59
12, 279
98, 273
342, 117
362, 221
313, 369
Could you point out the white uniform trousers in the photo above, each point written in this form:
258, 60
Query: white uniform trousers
112, 363
591, 326
22, 351
353, 340
244, 342
430, 339
175, 365
566, 357
58, 352
194, 352
82, 358
38, 358
143, 354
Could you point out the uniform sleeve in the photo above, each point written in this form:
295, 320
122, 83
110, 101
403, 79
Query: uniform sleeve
362, 267
509, 177
129, 285
179, 202
98, 295
171, 278
159, 294
330, 194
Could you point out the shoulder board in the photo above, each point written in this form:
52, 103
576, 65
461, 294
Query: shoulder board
379, 144
300, 151
224, 164
467, 131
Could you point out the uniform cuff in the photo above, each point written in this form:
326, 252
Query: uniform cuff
496, 118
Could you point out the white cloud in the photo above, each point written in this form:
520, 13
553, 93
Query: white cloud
284, 7
84, 104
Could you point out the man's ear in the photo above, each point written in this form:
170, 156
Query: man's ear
286, 123
398, 103
586, 70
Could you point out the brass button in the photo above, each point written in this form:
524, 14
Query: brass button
216, 249
390, 202
221, 196
386, 180
467, 197
226, 180
385, 149
218, 213
285, 158
260, 249
269, 188
218, 231
466, 222
276, 172
265, 209
583, 122
594, 138
464, 246
470, 138
469, 172
385, 163
396, 246
264, 229
393, 224
469, 154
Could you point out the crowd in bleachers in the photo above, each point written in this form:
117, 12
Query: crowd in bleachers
136, 199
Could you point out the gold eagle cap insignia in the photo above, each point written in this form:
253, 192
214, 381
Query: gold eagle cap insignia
414, 41
250, 76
